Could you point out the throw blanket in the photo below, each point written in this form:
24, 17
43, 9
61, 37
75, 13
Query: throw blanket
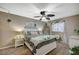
45, 43
40, 44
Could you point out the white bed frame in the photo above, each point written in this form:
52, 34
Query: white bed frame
44, 49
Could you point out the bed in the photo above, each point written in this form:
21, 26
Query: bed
41, 44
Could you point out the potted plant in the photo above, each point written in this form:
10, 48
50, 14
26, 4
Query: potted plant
76, 30
75, 50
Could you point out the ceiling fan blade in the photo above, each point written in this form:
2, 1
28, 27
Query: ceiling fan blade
50, 15
47, 18
41, 17
37, 16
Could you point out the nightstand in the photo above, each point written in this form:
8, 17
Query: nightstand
19, 40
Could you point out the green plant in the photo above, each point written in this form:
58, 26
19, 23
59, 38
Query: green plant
75, 50
76, 30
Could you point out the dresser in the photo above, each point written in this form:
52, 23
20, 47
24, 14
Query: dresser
74, 41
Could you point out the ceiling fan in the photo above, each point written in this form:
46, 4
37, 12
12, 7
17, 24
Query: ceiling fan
44, 15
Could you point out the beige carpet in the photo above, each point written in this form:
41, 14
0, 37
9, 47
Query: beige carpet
62, 49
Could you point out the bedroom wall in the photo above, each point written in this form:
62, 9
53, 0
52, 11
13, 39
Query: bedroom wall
0, 32
71, 23
6, 32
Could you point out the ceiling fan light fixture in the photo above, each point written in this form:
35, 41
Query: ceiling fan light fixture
40, 19
48, 18
45, 15
35, 25
43, 18
42, 12
50, 15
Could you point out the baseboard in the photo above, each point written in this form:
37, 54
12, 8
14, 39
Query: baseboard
7, 47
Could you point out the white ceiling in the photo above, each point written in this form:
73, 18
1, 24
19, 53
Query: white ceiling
33, 9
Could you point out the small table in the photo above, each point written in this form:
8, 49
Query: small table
19, 42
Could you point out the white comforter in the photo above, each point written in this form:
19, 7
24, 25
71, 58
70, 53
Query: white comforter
42, 38
44, 49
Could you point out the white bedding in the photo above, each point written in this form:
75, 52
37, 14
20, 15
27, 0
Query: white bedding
42, 38
46, 48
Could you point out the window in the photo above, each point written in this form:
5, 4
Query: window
58, 27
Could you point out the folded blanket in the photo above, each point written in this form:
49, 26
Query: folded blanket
45, 43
